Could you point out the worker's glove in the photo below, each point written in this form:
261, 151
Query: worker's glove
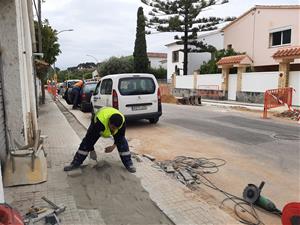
93, 155
110, 148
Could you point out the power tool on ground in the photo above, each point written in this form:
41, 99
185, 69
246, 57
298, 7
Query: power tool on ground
252, 194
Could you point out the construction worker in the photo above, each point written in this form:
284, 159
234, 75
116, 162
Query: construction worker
107, 122
76, 94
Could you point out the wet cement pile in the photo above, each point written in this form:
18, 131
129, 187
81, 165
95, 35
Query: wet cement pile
117, 194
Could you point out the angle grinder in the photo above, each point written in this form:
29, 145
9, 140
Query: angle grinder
252, 194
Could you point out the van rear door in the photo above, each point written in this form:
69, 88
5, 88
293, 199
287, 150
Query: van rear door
137, 95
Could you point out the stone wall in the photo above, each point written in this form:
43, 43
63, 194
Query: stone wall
205, 94
250, 97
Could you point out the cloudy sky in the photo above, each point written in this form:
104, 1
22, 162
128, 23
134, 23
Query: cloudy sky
105, 28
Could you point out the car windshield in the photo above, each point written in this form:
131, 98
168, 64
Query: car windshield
89, 87
136, 86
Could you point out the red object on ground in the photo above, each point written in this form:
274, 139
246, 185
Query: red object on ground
291, 214
277, 97
9, 216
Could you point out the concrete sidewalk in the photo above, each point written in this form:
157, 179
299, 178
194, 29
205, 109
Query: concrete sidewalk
253, 106
60, 146
173, 198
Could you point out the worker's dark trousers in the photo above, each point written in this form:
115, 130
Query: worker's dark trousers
76, 96
90, 139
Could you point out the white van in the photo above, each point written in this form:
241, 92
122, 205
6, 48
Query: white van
137, 96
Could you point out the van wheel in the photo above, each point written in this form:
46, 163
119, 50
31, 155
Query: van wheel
154, 120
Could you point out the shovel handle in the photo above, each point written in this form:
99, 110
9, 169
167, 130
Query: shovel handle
50, 203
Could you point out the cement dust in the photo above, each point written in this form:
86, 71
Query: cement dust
115, 193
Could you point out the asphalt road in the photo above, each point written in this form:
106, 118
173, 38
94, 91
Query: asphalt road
247, 133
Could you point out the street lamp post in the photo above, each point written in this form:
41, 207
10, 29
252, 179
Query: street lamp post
61, 31
65, 31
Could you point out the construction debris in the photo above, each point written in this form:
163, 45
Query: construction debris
36, 214
75, 173
170, 169
186, 176
188, 170
293, 115
136, 156
152, 158
191, 100
52, 219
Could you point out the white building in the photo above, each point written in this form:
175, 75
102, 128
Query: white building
17, 86
195, 60
157, 60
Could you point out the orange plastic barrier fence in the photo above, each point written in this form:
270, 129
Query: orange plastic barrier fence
165, 90
277, 97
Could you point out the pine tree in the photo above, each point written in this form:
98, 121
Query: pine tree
183, 16
141, 60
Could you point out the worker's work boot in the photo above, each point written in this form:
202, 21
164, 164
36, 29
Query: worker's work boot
131, 169
71, 167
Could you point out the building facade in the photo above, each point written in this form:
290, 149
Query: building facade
261, 31
195, 60
157, 60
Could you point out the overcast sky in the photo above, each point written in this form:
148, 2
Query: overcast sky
105, 28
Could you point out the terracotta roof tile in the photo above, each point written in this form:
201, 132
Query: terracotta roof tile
236, 59
288, 52
157, 55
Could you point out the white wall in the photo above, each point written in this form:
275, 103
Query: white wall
294, 81
214, 38
186, 82
259, 82
209, 81
232, 86
25, 64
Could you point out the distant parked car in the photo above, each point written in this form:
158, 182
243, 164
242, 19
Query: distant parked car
85, 96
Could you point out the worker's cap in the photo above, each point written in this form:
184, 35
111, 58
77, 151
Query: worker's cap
116, 120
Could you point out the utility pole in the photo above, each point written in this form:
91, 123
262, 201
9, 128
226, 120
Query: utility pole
39, 15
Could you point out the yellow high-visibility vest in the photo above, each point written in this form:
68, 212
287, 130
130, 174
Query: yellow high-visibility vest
104, 115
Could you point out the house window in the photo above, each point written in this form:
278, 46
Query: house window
175, 56
280, 37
